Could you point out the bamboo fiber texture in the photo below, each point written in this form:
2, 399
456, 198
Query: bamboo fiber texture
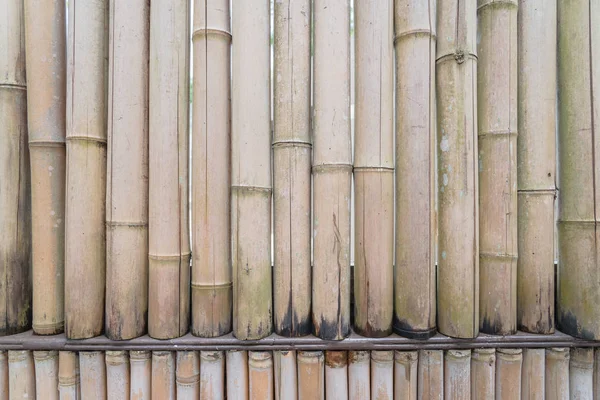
21, 375
187, 375
557, 373
311, 375
85, 230
127, 170
533, 374
46, 373
581, 373
140, 365
212, 375
237, 374
336, 375
117, 375
405, 375
69, 386
359, 377
46, 76
431, 375
508, 373
92, 371
483, 370
382, 375
169, 247
211, 172
260, 375
251, 171
286, 377
164, 375
15, 186
457, 374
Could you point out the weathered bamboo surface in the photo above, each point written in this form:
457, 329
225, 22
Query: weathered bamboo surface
430, 370
359, 379
457, 374
311, 375
557, 373
212, 375
164, 375
405, 375
336, 375
46, 373
508, 373
187, 375
382, 375
69, 386
21, 375
533, 377
483, 370
581, 374
286, 376
92, 371
117, 375
140, 366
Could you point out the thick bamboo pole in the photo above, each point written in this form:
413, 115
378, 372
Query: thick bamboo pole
533, 374
458, 207
483, 370
581, 373
415, 285
127, 171
211, 145
578, 234
382, 375
359, 374
236, 365
4, 375
457, 375
336, 375
188, 375
46, 373
332, 170
260, 375
68, 376
140, 365
291, 167
169, 247
286, 376
21, 375
536, 164
508, 373
311, 375
405, 375
557, 374
212, 375
117, 375
163, 375
46, 78
430, 372
251, 172
93, 375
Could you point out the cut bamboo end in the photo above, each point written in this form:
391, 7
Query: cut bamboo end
211, 309
557, 373
581, 373
68, 375
140, 365
260, 375
21, 375
93, 374
405, 374
430, 369
118, 385
237, 374
457, 374
212, 375
188, 374
359, 374
311, 375
533, 376
336, 374
46, 373
286, 376
483, 371
163, 375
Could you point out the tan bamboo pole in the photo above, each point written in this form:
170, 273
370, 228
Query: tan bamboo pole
211, 145
458, 207
508, 373
483, 371
291, 167
533, 374
68, 375
21, 375
596, 374
260, 375
140, 365
415, 279
212, 375
46, 373
188, 375
578, 287
336, 375
4, 381
127, 171
251, 172
457, 374
236, 371
93, 375
536, 164
581, 373
359, 374
117, 375
405, 374
163, 375
332, 170
382, 375
286, 376
311, 375
46, 83
430, 372
169, 247
557, 374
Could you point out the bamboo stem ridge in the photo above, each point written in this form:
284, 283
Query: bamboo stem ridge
127, 170
211, 145
169, 247
332, 170
579, 108
251, 171
46, 76
291, 168
581, 374
188, 375
286, 376
374, 169
15, 185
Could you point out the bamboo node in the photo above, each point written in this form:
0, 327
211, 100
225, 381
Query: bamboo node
249, 188
13, 86
373, 169
211, 355
17, 355
414, 32
459, 56
42, 355
82, 138
211, 286
139, 355
332, 167
127, 224
168, 257
202, 32
497, 3
46, 143
501, 133
291, 143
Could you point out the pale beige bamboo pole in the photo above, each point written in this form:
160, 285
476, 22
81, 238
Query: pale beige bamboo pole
483, 371
336, 375
581, 373
536, 164
508, 373
405, 374
291, 167
457, 374
533, 374
4, 382
415, 279
46, 373
46, 83
260, 375
557, 374
169, 247
188, 375
211, 146
359, 374
163, 375
21, 375
68, 375
85, 230
212, 375
596, 374
117, 375
286, 376
127, 171
93, 375
430, 372
311, 375
236, 371
458, 206
578, 235
251, 171
332, 170
140, 365
382, 375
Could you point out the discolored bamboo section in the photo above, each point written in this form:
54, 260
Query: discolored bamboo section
46, 373
286, 376
536, 164
46, 107
92, 374
251, 172
415, 278
457, 374
483, 371
260, 375
292, 150
211, 172
508, 373
4, 380
533, 374
382, 375
458, 207
127, 171
21, 375
68, 376
556, 381
163, 375
140, 366
187, 375
336, 375
169, 247
311, 375
578, 289
118, 384
430, 370
359, 382
405, 375
212, 375
237, 374
581, 373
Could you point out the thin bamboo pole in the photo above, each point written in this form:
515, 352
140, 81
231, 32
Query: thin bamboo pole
188, 375
596, 374
163, 375
291, 167
430, 372
581, 373
458, 207
415, 279
536, 164
127, 171
311, 375
212, 375
336, 375
483, 370
117, 375
46, 373
46, 78
93, 375
557, 374
251, 172
405, 375
457, 374
578, 234
169, 247
68, 376
508, 373
332, 170
260, 375
286, 376
21, 375
382, 375
4, 382
533, 374
359, 375
236, 365
140, 365
211, 145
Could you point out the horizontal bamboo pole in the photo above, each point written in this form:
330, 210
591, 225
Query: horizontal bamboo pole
483, 371
430, 370
117, 375
260, 375
405, 374
68, 376
21, 375
286, 376
533, 376
557, 373
212, 375
336, 375
508, 373
236, 364
581, 374
4, 380
457, 374
140, 366
188, 375
46, 373
163, 375
359, 375
311, 375
93, 375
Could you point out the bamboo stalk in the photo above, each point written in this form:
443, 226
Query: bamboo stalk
557, 374
291, 167
286, 377
483, 370
405, 374
533, 376
332, 170
596, 374
188, 375
431, 375
536, 164
211, 145
46, 373
260, 375
212, 375
311, 375
93, 375
415, 285
117, 375
236, 365
251, 173
46, 78
457, 374
21, 375
578, 287
458, 207
127, 171
508, 373
68, 376
169, 247
581, 373
359, 375
336, 375
163, 375
4, 381
140, 365
382, 375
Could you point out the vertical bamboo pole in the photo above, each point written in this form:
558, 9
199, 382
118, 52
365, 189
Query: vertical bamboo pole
163, 375
212, 375
93, 375
251, 172
46, 78
140, 365
260, 375
21, 375
127, 171
117, 375
236, 365
286, 377
483, 370
578, 235
536, 164
405, 375
169, 247
359, 374
557, 374
211, 145
188, 375
68, 374
581, 373
533, 375
415, 307
336, 375
596, 374
458, 209
4, 381
46, 373
311, 375
508, 373
430, 372
382, 375
332, 170
457, 374
291, 167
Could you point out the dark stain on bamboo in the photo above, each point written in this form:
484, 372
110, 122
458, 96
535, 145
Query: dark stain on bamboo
569, 324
